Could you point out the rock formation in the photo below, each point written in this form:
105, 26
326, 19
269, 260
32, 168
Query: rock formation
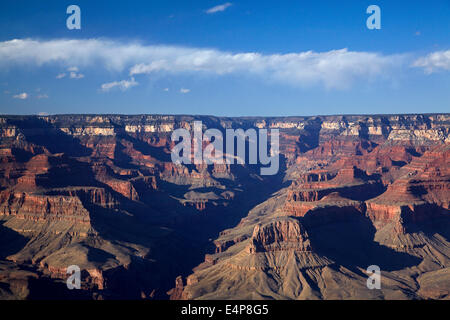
101, 192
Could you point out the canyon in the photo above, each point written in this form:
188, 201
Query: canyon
101, 192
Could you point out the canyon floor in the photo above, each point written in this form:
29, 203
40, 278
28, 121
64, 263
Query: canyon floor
101, 192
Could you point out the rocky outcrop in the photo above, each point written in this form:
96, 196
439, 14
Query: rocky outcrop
42, 207
281, 234
177, 292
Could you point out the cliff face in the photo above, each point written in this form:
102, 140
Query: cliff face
281, 234
101, 192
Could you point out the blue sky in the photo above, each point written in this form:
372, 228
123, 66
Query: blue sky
259, 58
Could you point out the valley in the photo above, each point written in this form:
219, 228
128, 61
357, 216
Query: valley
101, 192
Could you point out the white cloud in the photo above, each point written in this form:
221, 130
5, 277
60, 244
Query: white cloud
74, 75
166, 89
42, 96
219, 8
21, 96
183, 90
332, 69
123, 85
435, 61
87, 52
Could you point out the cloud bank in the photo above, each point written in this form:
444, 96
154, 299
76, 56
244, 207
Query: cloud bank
331, 69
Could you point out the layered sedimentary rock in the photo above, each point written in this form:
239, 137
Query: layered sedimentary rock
101, 192
280, 234
365, 194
